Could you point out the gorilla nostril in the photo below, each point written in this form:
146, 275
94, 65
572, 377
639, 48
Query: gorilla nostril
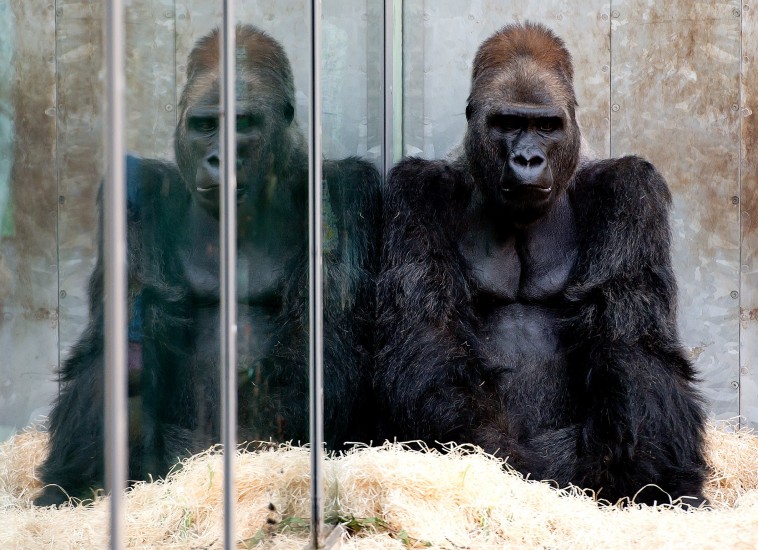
522, 161
536, 161
214, 161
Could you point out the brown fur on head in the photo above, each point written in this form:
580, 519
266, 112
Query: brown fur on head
257, 54
530, 40
524, 59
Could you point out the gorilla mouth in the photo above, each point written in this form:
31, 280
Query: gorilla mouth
216, 188
527, 189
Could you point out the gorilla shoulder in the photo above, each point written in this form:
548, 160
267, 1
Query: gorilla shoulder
425, 185
635, 201
629, 178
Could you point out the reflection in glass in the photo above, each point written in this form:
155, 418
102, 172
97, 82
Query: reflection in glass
174, 382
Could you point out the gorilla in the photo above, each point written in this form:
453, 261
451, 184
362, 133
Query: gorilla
526, 299
173, 255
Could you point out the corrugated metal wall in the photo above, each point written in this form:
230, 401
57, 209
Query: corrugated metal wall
674, 81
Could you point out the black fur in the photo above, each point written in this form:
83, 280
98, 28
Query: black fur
549, 341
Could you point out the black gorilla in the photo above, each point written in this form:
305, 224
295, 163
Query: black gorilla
174, 286
526, 298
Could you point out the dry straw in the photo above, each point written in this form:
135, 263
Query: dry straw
385, 497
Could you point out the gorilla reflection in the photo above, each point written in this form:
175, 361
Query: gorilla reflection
174, 286
526, 300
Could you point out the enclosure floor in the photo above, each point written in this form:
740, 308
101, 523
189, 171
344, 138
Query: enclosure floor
385, 497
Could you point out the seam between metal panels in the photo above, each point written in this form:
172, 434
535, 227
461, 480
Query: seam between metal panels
57, 183
610, 80
388, 85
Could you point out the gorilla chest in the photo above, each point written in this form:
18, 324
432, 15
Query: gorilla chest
517, 279
263, 271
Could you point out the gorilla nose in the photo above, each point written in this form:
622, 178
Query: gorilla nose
212, 164
527, 167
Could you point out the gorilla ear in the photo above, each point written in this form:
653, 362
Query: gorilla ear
289, 112
468, 111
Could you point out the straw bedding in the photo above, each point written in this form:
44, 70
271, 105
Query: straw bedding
385, 497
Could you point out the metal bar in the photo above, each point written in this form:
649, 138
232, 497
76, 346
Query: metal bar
742, 417
316, 299
228, 245
114, 197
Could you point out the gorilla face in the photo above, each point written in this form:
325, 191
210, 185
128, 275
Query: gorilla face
525, 138
523, 141
266, 134
260, 129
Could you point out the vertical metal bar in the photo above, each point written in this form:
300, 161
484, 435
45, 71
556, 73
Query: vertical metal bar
316, 335
114, 197
228, 245
388, 81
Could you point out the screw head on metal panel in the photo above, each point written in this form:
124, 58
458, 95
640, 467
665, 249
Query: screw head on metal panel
62, 293
734, 294
735, 107
734, 384
615, 107
615, 14
169, 107
604, 17
735, 200
736, 12
605, 68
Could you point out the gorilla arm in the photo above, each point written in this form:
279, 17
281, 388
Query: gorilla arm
351, 258
626, 349
75, 460
431, 379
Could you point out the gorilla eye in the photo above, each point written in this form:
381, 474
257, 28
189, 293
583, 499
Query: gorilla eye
203, 124
507, 123
549, 124
248, 122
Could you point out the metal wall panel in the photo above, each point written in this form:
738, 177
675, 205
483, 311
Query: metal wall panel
150, 78
441, 38
675, 96
78, 31
749, 213
28, 213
